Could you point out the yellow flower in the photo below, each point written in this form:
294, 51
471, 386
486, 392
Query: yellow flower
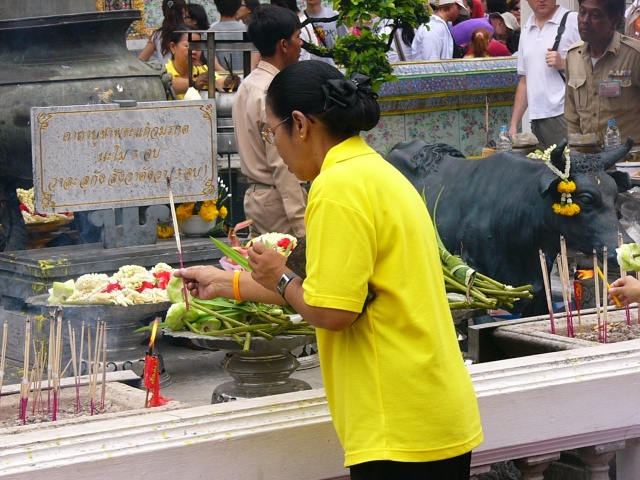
567, 209
223, 212
566, 186
165, 231
184, 210
208, 211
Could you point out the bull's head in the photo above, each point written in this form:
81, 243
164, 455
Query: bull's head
596, 191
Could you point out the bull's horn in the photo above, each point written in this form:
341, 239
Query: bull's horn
557, 158
610, 157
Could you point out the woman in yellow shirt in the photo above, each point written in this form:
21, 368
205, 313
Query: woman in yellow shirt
178, 64
401, 399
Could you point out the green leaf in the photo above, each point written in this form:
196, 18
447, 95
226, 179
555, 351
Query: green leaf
232, 254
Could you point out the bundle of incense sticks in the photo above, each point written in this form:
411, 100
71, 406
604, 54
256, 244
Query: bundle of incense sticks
563, 270
547, 290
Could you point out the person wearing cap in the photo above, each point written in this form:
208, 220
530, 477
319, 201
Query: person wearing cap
544, 94
507, 29
436, 41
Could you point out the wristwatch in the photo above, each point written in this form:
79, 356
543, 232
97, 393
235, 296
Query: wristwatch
285, 279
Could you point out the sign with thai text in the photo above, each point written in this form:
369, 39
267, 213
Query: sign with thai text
93, 157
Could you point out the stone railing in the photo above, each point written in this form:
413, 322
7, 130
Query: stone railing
532, 409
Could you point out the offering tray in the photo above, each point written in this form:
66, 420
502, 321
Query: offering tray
264, 370
123, 343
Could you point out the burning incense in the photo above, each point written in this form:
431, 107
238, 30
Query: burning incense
627, 309
24, 386
577, 294
547, 289
3, 354
177, 236
602, 277
596, 289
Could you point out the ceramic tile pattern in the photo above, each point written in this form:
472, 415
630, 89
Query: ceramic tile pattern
446, 102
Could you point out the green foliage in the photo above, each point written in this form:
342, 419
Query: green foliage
366, 54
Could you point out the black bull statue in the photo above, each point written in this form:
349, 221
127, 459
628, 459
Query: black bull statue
497, 212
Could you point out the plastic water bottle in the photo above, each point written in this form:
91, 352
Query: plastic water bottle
612, 135
504, 143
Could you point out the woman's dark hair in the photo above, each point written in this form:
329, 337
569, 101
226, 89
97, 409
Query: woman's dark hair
172, 11
179, 32
408, 33
199, 14
346, 107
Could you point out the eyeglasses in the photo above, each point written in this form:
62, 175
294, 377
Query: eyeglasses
516, 9
269, 135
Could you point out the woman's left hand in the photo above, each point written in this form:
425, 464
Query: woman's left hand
267, 264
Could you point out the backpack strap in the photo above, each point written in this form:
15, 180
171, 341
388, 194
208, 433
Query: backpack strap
556, 42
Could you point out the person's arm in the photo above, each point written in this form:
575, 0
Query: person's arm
520, 105
206, 282
627, 289
570, 112
268, 266
147, 51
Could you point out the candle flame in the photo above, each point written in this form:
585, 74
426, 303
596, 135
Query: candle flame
584, 274
154, 329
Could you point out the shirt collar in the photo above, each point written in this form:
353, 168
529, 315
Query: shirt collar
350, 148
613, 47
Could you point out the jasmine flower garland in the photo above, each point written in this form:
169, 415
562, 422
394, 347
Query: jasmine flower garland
565, 187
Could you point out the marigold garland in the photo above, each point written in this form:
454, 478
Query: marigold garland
565, 186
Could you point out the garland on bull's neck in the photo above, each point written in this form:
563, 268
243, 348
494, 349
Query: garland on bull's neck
565, 186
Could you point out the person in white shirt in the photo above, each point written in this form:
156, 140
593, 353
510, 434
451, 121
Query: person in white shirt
435, 42
544, 94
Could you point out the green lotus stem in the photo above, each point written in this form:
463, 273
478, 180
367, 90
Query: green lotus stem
466, 306
235, 336
484, 278
191, 327
271, 318
229, 331
505, 293
472, 292
301, 332
247, 342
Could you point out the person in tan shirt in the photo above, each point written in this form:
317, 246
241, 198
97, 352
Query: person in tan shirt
275, 200
603, 73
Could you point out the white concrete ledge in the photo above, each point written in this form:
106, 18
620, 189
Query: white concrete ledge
529, 406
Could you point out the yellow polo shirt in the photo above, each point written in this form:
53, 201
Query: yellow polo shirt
396, 383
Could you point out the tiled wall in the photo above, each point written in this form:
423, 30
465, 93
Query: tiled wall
447, 102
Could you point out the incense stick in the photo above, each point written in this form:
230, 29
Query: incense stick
3, 354
605, 289
74, 359
547, 290
596, 289
627, 309
104, 365
174, 218
566, 286
24, 386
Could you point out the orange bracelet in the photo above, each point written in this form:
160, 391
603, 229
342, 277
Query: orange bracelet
236, 285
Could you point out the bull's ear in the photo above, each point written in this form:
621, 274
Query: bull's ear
622, 179
547, 181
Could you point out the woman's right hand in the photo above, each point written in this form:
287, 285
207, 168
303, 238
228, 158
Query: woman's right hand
203, 281
627, 289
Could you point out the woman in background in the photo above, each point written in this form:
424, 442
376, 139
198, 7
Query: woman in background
178, 64
157, 49
196, 17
